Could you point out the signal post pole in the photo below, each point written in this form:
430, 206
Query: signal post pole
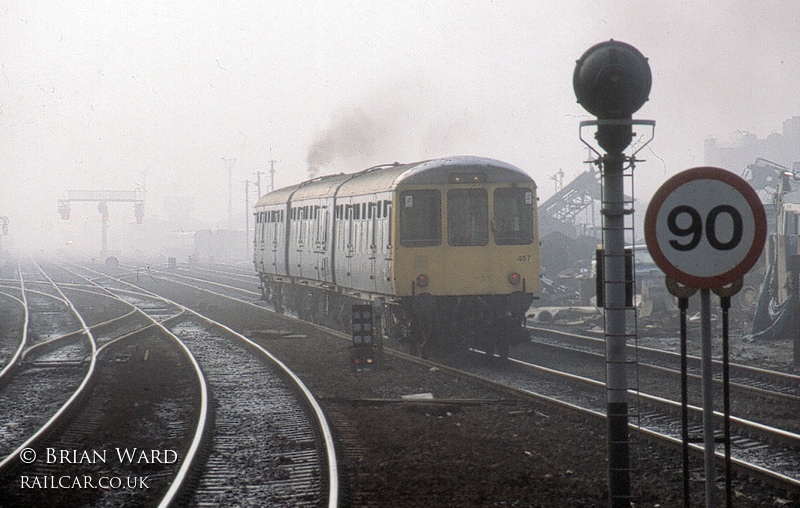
612, 81
616, 330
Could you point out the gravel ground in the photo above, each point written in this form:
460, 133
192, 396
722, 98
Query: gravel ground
501, 453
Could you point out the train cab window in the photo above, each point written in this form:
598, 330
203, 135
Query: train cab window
467, 217
420, 218
513, 216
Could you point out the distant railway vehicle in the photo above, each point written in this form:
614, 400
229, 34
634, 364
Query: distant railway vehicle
447, 250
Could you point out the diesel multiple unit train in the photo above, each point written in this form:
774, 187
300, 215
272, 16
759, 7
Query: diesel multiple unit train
446, 250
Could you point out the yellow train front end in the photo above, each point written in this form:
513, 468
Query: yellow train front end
466, 261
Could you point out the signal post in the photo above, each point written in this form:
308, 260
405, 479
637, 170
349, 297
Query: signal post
102, 198
612, 81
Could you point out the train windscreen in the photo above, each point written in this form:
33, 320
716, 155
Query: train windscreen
467, 217
420, 218
513, 216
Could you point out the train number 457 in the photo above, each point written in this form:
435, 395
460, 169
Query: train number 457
524, 259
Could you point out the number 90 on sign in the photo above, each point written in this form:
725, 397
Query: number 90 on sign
705, 227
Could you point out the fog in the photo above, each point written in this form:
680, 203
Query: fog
168, 96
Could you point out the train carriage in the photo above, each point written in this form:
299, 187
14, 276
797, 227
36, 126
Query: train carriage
448, 246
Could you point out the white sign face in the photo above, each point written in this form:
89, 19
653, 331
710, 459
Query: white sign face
705, 227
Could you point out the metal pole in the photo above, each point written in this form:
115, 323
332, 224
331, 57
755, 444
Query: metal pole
616, 330
725, 302
258, 183
103, 236
271, 175
683, 304
247, 213
708, 397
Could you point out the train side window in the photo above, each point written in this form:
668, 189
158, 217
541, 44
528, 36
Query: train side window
387, 212
467, 217
374, 218
324, 228
513, 216
420, 218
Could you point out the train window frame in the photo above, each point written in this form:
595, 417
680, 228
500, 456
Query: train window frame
409, 233
474, 206
525, 197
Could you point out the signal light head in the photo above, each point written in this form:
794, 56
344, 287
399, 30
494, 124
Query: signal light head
612, 80
63, 209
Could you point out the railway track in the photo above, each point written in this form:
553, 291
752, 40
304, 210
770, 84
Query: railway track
40, 392
746, 378
256, 445
765, 438
264, 447
762, 450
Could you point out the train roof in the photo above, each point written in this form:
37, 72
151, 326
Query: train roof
389, 177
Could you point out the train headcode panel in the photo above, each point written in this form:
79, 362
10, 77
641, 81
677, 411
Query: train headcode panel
705, 227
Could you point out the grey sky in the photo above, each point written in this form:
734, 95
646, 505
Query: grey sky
108, 95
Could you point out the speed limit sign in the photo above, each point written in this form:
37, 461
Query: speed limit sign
705, 227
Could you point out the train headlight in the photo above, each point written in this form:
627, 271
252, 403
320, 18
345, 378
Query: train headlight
422, 280
514, 278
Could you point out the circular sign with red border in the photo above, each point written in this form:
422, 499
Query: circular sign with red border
705, 227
